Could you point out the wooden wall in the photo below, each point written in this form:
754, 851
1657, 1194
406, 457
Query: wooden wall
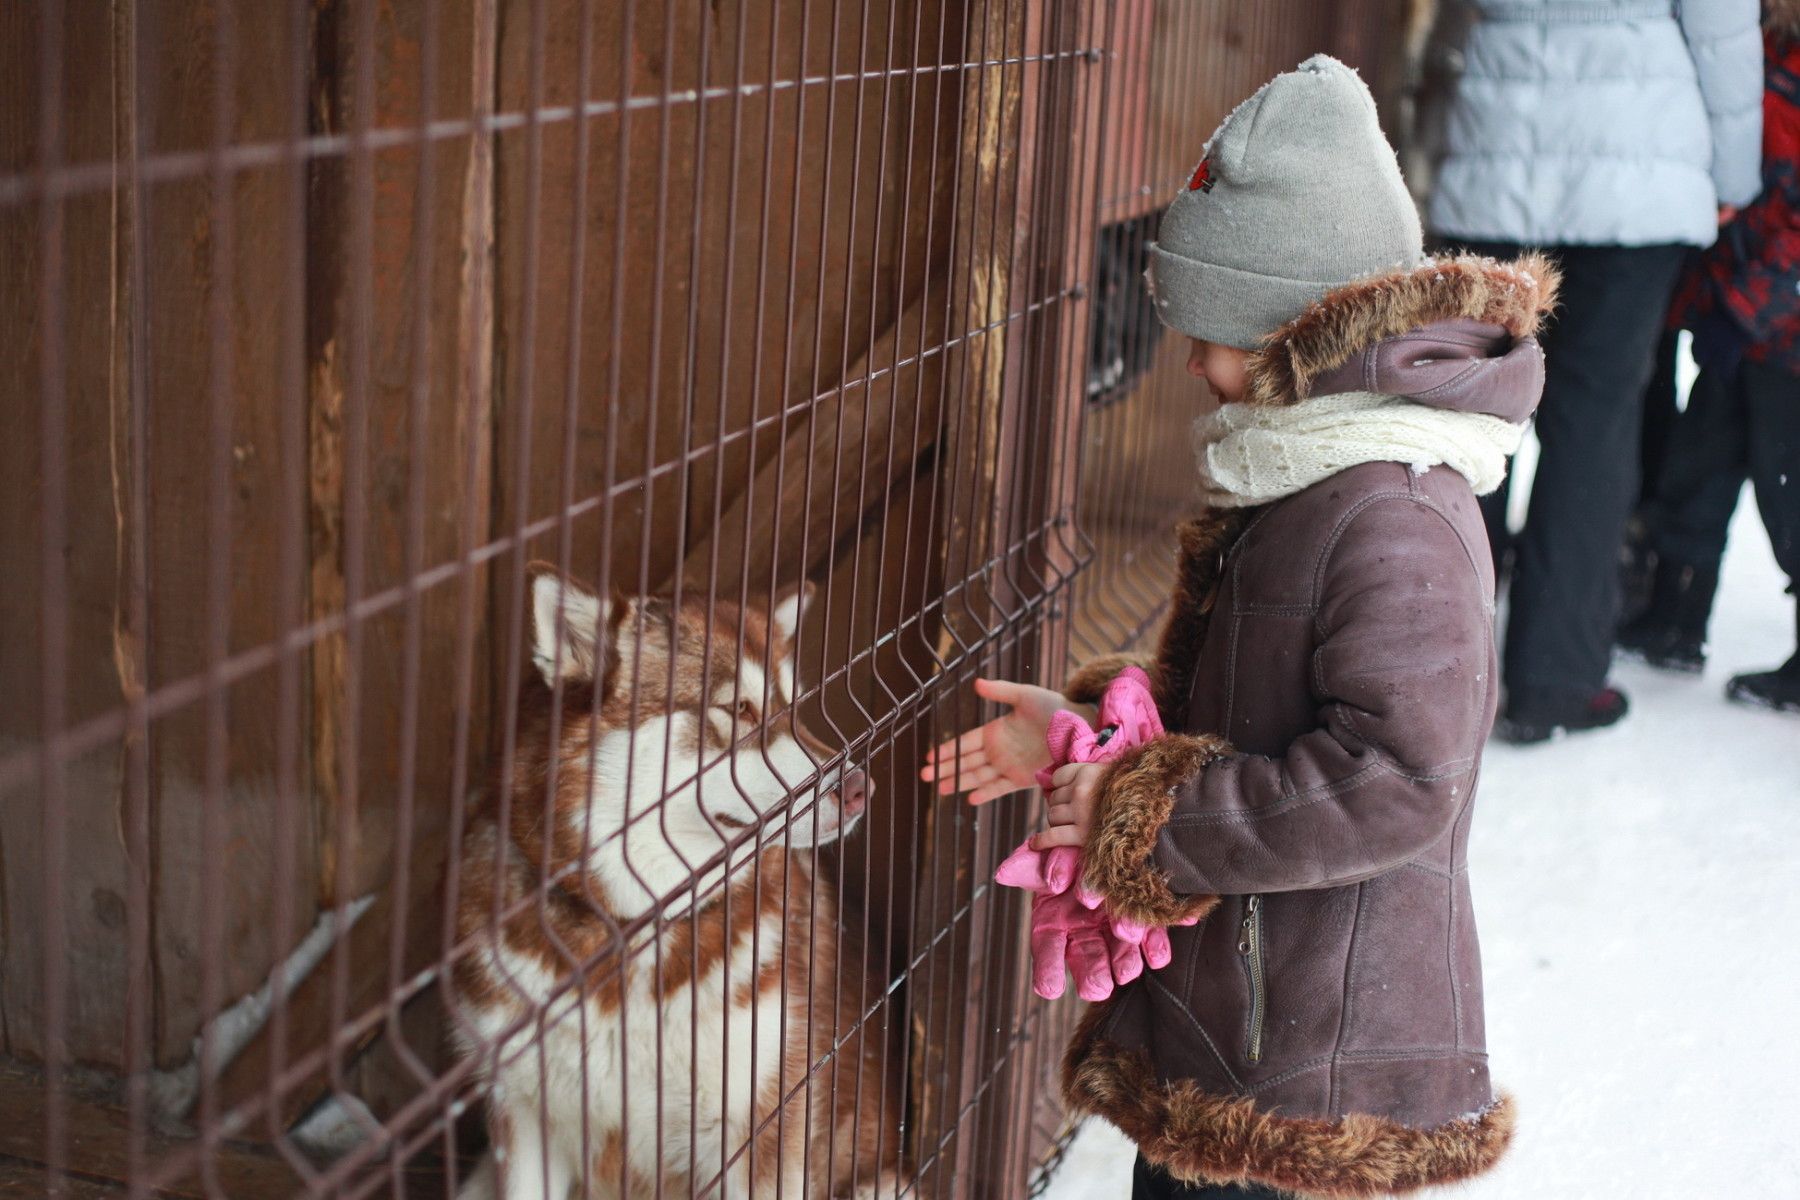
356, 306
159, 314
300, 382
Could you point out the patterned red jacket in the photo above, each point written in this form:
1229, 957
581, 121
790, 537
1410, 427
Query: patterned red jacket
1752, 272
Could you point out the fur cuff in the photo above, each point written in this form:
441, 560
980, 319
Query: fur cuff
1136, 796
1201, 1138
1089, 681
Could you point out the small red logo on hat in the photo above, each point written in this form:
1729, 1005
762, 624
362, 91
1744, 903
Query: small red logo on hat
1202, 180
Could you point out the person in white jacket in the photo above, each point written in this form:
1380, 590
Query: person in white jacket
1614, 135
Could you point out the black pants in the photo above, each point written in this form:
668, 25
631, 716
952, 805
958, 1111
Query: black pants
1598, 355
1743, 424
1153, 1183
1660, 412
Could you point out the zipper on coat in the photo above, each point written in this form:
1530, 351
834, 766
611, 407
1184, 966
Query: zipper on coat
1250, 946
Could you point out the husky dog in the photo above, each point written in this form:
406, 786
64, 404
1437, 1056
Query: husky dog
654, 966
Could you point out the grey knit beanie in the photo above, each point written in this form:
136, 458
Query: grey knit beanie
1298, 193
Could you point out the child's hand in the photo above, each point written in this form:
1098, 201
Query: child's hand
1005, 754
1075, 796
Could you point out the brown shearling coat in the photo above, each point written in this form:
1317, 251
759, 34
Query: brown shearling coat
1329, 661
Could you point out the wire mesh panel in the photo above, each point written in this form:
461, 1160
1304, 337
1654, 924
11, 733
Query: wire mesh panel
501, 496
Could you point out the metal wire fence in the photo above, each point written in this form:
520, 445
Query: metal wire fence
501, 496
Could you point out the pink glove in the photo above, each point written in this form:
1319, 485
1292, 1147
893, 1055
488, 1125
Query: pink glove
1068, 935
1065, 932
1069, 928
1127, 718
1052, 871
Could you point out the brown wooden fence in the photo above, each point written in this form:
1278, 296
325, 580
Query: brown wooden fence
327, 317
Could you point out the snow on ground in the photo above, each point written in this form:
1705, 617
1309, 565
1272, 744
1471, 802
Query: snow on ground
1638, 891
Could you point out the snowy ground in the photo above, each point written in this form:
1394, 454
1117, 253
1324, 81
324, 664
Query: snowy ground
1639, 899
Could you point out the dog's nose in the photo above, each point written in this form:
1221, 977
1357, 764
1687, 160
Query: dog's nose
854, 792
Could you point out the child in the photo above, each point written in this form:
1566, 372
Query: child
1330, 661
1742, 303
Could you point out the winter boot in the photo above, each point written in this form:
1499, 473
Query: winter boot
1778, 689
1536, 714
1671, 633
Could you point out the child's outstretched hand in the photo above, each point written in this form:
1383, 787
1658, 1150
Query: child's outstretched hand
1070, 805
1005, 754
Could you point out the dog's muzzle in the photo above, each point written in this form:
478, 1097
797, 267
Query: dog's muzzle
853, 792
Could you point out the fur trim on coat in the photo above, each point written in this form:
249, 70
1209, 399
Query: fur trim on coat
1136, 794
1200, 1138
1515, 296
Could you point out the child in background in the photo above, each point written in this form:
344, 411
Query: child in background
1741, 301
1327, 674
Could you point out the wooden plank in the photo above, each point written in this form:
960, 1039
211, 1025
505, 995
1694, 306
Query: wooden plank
385, 1077
1090, 124
869, 586
30, 1181
1008, 388
957, 851
1040, 399
836, 228
1127, 109
593, 254
215, 838
100, 1149
397, 345
19, 665
834, 472
700, 354
94, 661
417, 411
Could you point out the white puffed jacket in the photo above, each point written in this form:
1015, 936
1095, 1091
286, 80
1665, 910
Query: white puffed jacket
1602, 122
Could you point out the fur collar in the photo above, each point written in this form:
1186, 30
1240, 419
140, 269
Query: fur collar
1515, 296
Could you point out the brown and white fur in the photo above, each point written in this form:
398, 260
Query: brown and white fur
687, 961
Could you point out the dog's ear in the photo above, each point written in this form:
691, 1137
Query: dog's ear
789, 607
570, 626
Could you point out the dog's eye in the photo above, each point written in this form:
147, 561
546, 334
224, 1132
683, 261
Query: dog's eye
742, 713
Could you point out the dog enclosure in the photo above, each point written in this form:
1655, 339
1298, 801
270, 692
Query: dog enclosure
328, 317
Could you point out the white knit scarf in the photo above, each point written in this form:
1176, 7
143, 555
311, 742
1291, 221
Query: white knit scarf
1253, 453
